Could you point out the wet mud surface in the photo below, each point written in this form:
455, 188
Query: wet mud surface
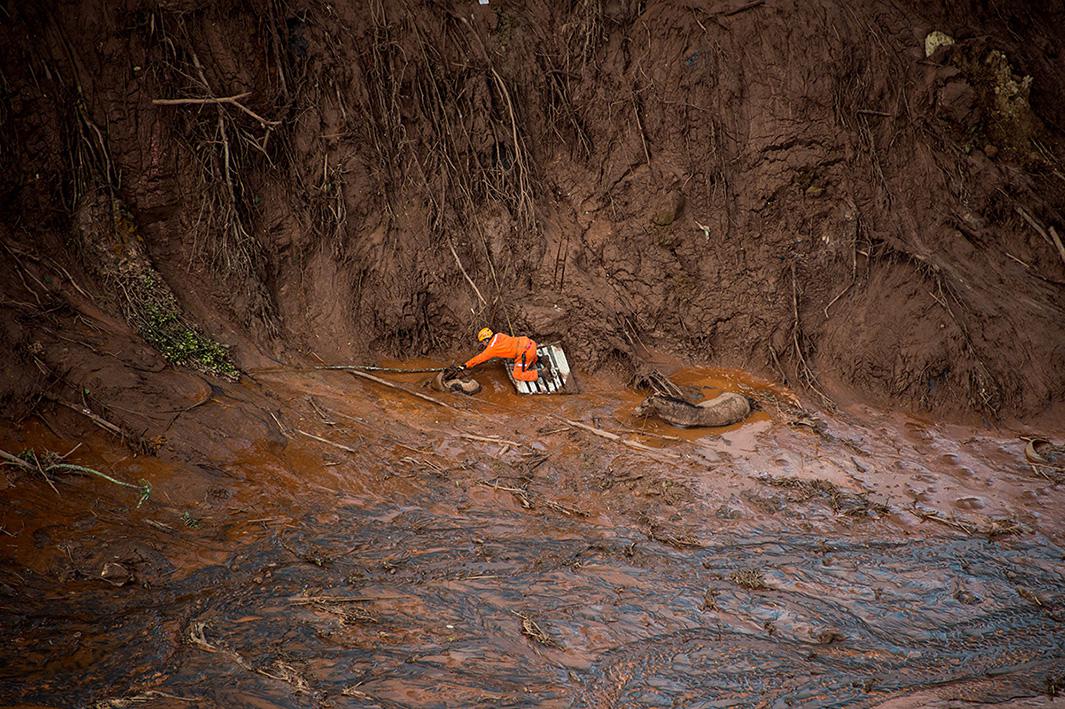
488, 554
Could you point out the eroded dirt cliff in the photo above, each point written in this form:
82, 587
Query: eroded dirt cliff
791, 187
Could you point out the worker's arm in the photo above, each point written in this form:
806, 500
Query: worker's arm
490, 352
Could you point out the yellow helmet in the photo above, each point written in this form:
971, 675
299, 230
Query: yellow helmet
484, 334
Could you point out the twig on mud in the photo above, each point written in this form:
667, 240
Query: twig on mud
335, 599
751, 579
52, 463
527, 499
994, 528
636, 445
436, 469
346, 614
98, 420
142, 698
663, 436
534, 631
520, 494
321, 414
491, 439
341, 446
197, 636
280, 426
390, 385
674, 540
1054, 243
568, 511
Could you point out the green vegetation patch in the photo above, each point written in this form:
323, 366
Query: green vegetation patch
155, 313
112, 248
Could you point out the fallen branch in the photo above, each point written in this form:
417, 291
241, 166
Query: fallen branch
341, 446
995, 528
390, 385
374, 368
490, 439
101, 422
52, 463
636, 445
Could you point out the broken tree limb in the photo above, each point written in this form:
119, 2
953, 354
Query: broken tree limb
50, 462
635, 445
374, 368
390, 385
101, 422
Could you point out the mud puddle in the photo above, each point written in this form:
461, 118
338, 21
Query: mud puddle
377, 550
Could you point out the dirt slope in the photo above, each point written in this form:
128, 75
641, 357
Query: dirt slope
792, 187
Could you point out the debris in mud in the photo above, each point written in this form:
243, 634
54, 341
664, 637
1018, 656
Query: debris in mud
530, 628
830, 636
680, 541
935, 40
751, 579
992, 528
526, 498
197, 636
50, 462
1046, 459
116, 574
342, 608
841, 501
149, 697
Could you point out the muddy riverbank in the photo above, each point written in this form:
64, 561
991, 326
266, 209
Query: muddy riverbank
377, 549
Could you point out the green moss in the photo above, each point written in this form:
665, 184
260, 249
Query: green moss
156, 314
162, 326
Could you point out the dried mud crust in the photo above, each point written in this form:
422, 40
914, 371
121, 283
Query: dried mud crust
789, 187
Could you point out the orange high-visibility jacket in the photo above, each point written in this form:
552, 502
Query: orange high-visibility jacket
503, 346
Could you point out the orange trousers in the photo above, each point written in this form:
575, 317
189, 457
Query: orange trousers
525, 364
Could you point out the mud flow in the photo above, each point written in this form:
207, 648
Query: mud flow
351, 545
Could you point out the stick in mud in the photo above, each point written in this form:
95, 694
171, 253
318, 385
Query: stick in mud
341, 446
375, 368
390, 385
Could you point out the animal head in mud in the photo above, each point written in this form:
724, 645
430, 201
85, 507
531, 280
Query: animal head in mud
649, 406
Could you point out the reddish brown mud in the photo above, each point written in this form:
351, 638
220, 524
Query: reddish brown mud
401, 570
201, 201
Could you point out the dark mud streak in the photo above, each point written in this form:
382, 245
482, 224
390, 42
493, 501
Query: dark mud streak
629, 620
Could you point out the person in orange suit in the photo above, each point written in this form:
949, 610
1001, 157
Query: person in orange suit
499, 345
